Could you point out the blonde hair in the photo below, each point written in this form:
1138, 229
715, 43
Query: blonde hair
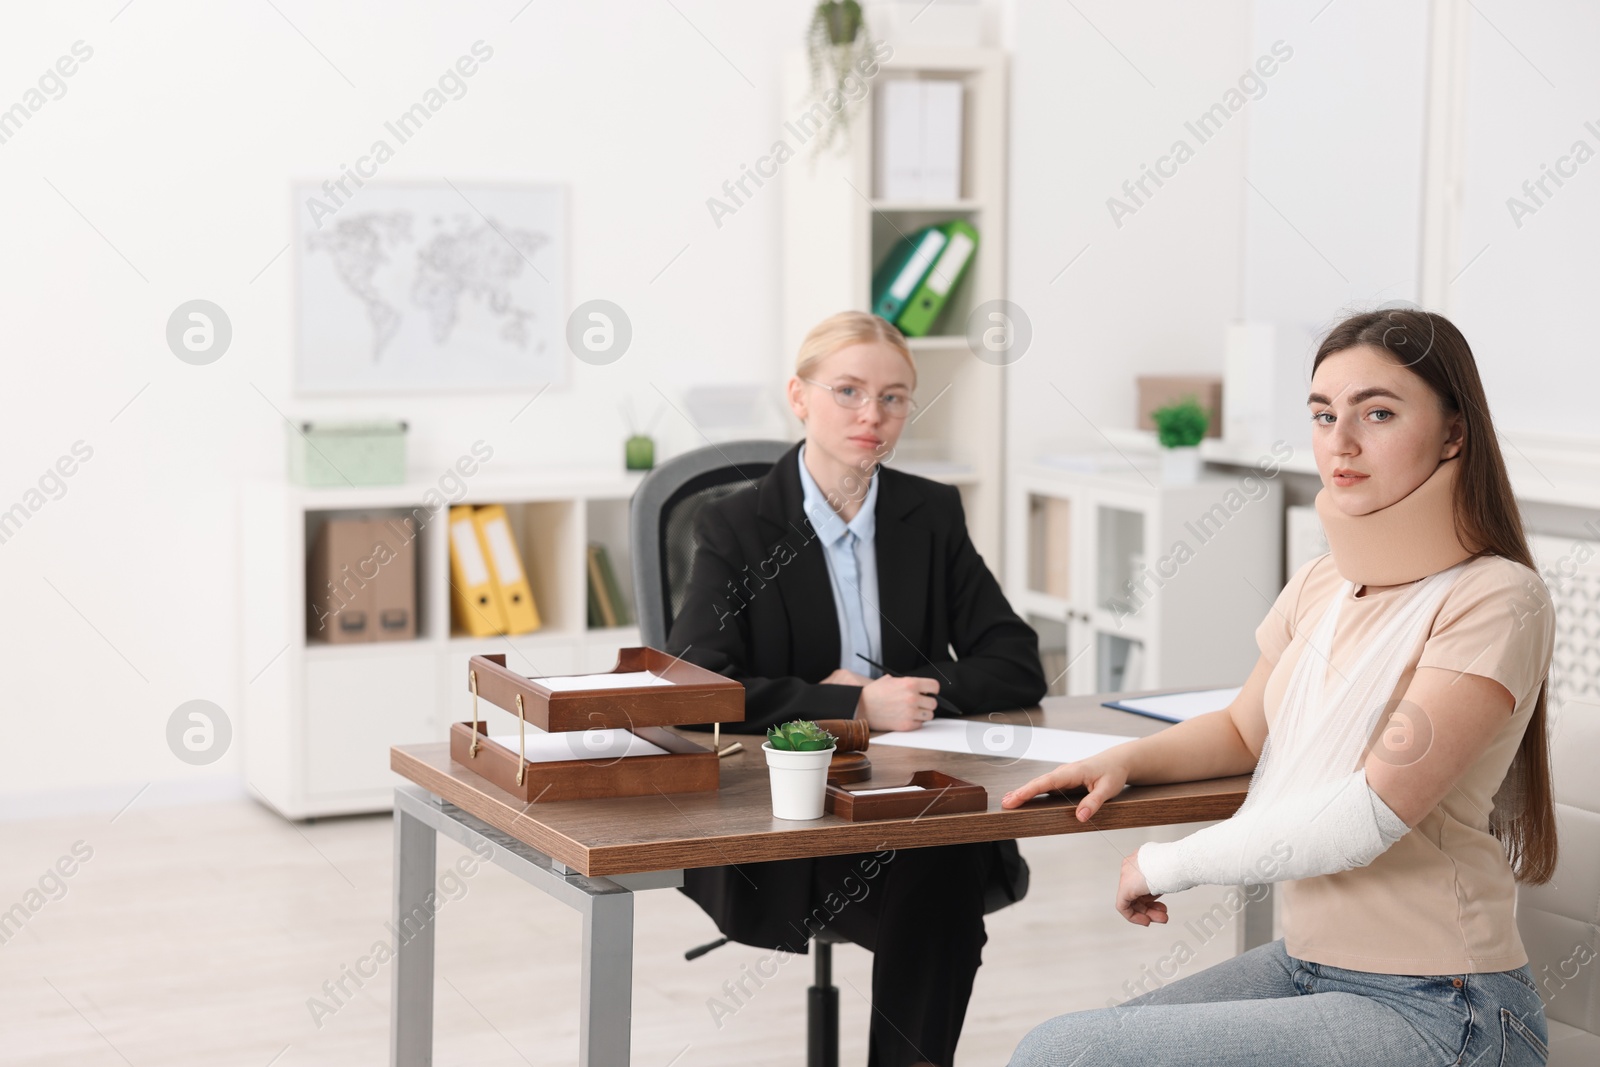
845, 329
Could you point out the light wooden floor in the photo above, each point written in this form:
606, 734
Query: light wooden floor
197, 935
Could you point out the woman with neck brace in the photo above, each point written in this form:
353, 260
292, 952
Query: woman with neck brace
1395, 730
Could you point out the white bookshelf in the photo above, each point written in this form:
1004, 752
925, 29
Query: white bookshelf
1077, 539
835, 231
319, 718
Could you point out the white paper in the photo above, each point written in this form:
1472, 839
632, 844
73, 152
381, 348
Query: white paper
886, 789
983, 737
1177, 707
580, 744
569, 683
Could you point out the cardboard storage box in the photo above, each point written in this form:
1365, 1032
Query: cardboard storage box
361, 581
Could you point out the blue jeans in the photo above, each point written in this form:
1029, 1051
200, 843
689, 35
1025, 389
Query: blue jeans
1267, 1007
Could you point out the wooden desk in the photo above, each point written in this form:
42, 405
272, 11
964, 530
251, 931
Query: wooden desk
593, 854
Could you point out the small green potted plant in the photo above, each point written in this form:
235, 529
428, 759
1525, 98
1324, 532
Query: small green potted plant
1180, 427
798, 754
639, 448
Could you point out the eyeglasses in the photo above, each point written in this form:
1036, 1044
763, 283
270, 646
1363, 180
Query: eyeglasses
895, 404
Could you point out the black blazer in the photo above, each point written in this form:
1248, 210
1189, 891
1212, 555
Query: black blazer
759, 608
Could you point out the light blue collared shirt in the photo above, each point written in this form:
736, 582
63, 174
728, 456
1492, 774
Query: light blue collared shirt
852, 554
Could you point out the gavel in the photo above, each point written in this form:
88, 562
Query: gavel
849, 735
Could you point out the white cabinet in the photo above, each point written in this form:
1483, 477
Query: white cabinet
358, 705
1137, 585
319, 719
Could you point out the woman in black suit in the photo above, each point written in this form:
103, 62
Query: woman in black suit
828, 561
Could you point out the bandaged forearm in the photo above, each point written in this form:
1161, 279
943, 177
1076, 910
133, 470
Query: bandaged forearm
1326, 829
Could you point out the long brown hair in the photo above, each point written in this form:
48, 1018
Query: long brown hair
1486, 517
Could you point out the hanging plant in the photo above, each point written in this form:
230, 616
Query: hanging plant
837, 45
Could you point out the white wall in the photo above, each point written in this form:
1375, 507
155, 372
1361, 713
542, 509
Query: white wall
1340, 153
1526, 303
1333, 211
176, 141
1100, 89
1308, 206
161, 175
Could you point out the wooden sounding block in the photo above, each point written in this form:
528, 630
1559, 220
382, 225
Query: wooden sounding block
927, 793
851, 737
620, 722
847, 768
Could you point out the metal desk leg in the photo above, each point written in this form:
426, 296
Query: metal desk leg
1255, 922
606, 904
411, 981
605, 1009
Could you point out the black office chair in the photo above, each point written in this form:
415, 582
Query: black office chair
661, 529
661, 522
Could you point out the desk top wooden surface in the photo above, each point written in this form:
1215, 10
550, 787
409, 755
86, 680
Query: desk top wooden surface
630, 835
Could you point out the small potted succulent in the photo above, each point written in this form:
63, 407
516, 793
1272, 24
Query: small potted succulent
1180, 428
798, 754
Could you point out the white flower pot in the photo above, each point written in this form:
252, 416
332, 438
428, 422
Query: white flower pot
1181, 465
799, 782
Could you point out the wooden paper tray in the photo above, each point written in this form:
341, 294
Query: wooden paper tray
685, 768
942, 794
695, 696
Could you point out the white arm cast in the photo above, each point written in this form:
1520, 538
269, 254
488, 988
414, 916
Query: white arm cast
1331, 828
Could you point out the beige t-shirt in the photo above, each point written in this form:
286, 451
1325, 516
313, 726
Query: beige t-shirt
1442, 899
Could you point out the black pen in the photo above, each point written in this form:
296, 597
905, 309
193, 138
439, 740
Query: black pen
937, 698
